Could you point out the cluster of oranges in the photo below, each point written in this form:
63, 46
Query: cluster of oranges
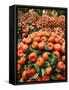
39, 38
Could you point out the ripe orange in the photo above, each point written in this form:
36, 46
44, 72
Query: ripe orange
32, 57
45, 56
48, 70
24, 75
19, 53
43, 39
51, 39
28, 40
37, 39
63, 49
34, 45
57, 40
57, 47
61, 65
31, 71
25, 47
63, 58
57, 54
41, 46
60, 76
18, 67
40, 61
22, 61
20, 45
50, 46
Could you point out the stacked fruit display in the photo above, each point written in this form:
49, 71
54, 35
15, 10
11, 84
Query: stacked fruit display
40, 46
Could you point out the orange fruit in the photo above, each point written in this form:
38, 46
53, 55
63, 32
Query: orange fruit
43, 39
50, 46
57, 40
25, 47
51, 39
28, 40
32, 57
22, 61
48, 70
63, 58
61, 65
41, 46
63, 49
40, 61
57, 47
60, 76
57, 54
34, 45
37, 39
45, 56
19, 53
18, 67
20, 45
31, 71
24, 75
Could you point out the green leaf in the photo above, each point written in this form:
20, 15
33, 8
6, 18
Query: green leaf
36, 67
62, 72
52, 60
38, 52
53, 57
42, 71
46, 43
57, 70
22, 69
30, 48
30, 23
46, 64
52, 77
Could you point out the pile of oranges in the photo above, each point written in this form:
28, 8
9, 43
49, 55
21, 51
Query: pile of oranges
40, 47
